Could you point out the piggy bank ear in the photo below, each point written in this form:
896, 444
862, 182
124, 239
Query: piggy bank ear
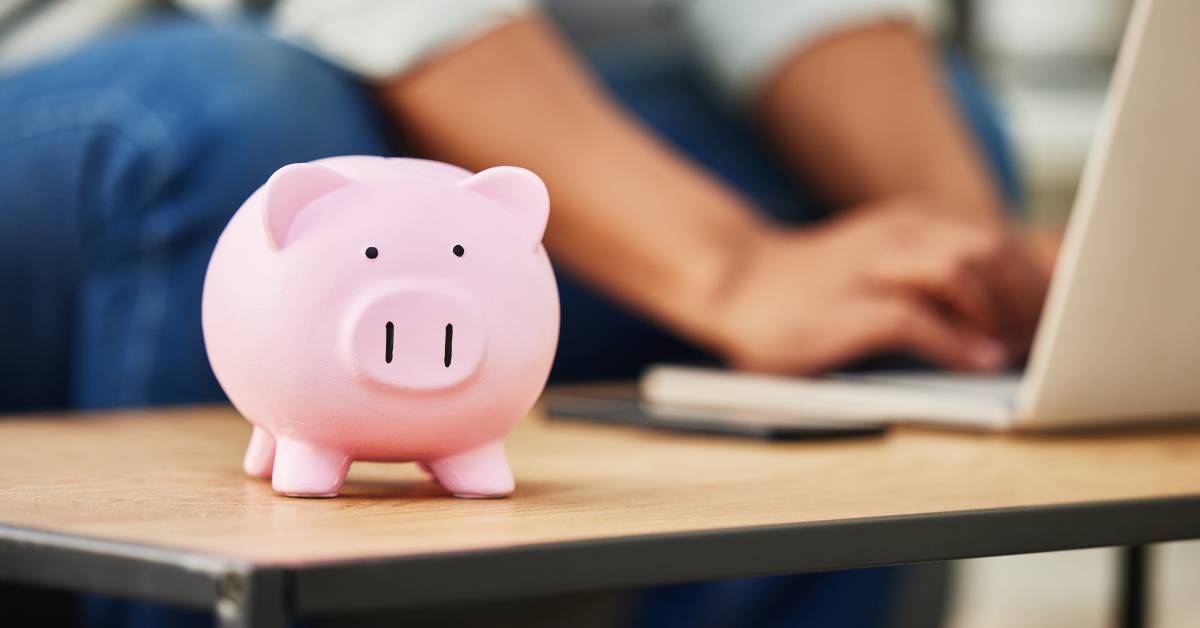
518, 191
288, 191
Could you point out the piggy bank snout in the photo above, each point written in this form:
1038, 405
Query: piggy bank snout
417, 337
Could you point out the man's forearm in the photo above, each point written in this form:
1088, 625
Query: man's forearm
864, 115
629, 214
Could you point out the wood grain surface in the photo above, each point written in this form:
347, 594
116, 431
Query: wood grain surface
172, 478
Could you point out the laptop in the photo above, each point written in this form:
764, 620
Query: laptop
1119, 339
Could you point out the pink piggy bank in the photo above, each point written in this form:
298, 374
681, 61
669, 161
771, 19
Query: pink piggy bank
363, 308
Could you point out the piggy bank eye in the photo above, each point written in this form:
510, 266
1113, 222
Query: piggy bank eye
459, 250
372, 252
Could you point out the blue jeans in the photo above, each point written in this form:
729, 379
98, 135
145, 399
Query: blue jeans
121, 163
119, 166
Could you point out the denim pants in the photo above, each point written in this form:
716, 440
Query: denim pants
121, 163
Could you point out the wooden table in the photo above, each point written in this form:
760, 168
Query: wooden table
154, 505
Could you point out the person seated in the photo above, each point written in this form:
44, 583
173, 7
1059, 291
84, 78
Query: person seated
805, 184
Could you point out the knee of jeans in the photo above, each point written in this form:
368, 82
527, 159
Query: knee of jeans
228, 106
235, 87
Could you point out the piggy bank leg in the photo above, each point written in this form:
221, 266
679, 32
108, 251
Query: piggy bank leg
260, 454
479, 472
308, 469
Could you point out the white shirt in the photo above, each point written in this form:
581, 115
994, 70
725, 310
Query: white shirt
740, 42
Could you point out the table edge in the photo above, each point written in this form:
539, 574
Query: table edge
112, 567
200, 580
653, 559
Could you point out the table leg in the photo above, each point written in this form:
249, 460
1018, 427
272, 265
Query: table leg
1133, 609
253, 599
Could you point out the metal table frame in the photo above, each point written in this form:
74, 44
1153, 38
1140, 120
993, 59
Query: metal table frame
247, 595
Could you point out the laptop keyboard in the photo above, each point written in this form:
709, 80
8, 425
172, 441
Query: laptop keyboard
1001, 387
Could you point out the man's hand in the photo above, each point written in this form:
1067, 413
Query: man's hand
889, 276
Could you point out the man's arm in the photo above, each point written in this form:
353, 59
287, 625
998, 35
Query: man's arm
630, 215
863, 115
637, 220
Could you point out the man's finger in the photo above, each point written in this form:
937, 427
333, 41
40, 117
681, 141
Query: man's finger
1020, 291
914, 326
958, 285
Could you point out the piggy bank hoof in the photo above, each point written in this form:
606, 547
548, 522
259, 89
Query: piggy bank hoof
480, 473
308, 470
481, 495
260, 454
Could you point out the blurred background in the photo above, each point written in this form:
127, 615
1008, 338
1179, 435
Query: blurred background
1047, 65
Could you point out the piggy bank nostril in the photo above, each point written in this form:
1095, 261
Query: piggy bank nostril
390, 335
